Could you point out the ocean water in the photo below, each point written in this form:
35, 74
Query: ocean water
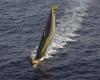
75, 51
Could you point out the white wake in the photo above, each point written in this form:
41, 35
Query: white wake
68, 24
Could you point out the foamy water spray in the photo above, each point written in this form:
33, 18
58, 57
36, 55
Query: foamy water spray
68, 24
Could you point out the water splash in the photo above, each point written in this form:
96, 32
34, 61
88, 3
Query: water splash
68, 24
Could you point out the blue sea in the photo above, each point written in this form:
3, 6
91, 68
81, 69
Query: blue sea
75, 50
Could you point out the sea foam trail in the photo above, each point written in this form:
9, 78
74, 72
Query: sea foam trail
68, 24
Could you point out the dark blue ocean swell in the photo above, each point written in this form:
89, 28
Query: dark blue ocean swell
21, 26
